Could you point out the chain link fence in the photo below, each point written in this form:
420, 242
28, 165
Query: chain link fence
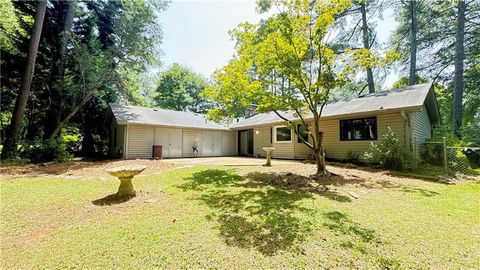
438, 157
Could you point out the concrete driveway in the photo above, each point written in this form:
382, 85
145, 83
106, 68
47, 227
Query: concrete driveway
228, 161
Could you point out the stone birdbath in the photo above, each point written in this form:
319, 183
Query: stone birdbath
268, 150
125, 174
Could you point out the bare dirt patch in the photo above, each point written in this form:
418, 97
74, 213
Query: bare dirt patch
49, 221
347, 181
82, 169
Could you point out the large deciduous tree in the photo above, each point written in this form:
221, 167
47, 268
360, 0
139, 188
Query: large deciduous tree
285, 64
179, 88
127, 41
91, 53
22, 97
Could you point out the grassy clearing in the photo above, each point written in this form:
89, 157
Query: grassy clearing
212, 217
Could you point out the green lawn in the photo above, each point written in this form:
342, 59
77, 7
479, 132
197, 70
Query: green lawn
210, 217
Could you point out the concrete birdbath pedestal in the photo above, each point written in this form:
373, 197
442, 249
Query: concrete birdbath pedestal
125, 174
268, 150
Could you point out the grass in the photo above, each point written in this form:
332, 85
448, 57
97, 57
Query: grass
211, 217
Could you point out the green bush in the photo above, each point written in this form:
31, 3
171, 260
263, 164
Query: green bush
48, 150
432, 153
353, 157
390, 154
72, 143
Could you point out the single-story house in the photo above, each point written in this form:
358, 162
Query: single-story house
349, 125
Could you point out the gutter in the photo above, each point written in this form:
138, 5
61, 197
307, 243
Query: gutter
338, 116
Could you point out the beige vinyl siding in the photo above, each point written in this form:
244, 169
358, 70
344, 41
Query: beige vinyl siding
336, 149
191, 137
420, 127
235, 142
261, 138
291, 150
140, 141
301, 150
228, 143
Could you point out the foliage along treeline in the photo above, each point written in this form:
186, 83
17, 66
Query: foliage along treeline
308, 51
79, 56
439, 41
288, 63
91, 53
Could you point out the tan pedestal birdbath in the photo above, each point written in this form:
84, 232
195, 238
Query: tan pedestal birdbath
268, 150
125, 174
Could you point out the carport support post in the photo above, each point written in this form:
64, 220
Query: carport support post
445, 161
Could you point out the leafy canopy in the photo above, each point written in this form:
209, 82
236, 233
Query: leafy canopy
286, 63
179, 88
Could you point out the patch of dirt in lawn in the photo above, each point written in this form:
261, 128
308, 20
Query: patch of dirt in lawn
49, 221
81, 169
348, 181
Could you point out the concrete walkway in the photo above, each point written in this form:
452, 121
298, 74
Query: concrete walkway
228, 161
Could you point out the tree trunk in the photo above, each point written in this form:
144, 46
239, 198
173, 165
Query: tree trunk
366, 45
22, 98
320, 156
458, 77
413, 43
54, 113
88, 147
71, 114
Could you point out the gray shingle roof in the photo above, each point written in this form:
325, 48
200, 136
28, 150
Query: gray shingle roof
408, 97
125, 114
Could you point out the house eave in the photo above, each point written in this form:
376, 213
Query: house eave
338, 116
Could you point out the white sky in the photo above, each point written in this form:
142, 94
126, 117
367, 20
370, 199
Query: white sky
196, 32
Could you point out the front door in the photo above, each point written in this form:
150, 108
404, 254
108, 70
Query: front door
245, 142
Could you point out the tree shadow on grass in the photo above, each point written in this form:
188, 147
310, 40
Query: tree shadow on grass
112, 199
259, 211
403, 188
211, 178
355, 236
298, 183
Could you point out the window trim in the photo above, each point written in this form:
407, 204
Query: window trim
275, 135
353, 119
298, 131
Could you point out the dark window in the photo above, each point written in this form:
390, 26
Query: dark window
283, 134
358, 129
302, 131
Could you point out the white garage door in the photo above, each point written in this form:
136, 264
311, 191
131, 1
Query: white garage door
228, 144
140, 141
217, 143
211, 143
192, 138
171, 141
207, 144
